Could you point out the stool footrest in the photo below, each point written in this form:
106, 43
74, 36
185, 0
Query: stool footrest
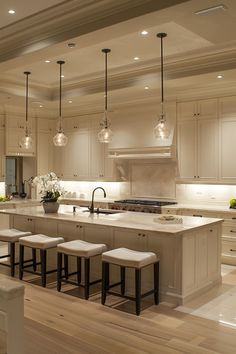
64, 280
5, 256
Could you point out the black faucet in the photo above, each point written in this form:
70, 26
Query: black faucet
91, 208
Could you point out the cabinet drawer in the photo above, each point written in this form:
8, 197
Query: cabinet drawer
229, 230
229, 252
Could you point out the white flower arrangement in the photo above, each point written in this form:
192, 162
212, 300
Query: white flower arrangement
49, 187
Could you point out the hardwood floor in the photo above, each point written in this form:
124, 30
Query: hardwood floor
63, 323
57, 323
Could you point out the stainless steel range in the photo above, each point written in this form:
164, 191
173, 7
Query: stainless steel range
140, 205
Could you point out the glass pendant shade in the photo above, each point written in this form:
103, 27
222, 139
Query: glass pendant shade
105, 135
60, 139
26, 141
161, 131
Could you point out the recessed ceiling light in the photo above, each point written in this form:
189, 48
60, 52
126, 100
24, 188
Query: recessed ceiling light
47, 61
70, 101
219, 76
41, 106
146, 88
12, 12
144, 33
210, 9
62, 75
136, 58
71, 45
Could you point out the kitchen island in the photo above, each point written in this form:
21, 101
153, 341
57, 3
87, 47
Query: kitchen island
189, 251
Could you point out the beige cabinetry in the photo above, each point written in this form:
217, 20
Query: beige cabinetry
227, 108
198, 140
15, 130
2, 155
229, 239
45, 131
83, 158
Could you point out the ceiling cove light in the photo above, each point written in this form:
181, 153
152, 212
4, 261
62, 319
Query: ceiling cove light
211, 9
161, 131
60, 139
105, 134
26, 141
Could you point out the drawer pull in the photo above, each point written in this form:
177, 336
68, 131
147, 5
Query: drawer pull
234, 218
233, 231
200, 216
232, 250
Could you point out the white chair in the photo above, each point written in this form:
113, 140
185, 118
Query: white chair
43, 243
11, 236
124, 257
81, 250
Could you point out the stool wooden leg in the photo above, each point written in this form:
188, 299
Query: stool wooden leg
34, 259
86, 277
138, 290
105, 281
156, 282
78, 270
21, 261
122, 278
66, 266
12, 258
43, 256
59, 270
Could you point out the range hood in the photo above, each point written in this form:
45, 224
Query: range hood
143, 153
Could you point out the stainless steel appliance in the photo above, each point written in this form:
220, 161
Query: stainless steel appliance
140, 205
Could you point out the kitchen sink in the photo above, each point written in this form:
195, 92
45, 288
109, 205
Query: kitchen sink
105, 211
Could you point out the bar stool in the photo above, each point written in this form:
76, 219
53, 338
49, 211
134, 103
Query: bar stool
11, 236
124, 257
43, 243
81, 250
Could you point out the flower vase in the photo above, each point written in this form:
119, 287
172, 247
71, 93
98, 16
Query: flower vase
50, 207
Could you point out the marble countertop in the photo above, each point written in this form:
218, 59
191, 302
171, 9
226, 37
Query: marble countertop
18, 201
131, 220
206, 207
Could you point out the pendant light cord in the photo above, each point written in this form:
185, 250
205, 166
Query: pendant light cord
161, 36
60, 62
27, 73
106, 51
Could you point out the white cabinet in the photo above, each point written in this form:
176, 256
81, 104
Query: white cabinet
15, 131
227, 139
44, 153
198, 140
2, 155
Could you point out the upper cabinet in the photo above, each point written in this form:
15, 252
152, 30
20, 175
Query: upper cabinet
45, 132
198, 141
227, 139
2, 148
83, 158
15, 130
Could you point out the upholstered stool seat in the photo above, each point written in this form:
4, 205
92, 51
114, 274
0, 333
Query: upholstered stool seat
81, 250
11, 236
124, 257
43, 243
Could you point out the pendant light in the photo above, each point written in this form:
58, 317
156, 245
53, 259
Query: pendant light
60, 139
105, 134
161, 131
26, 141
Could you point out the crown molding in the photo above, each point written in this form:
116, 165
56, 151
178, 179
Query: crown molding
70, 19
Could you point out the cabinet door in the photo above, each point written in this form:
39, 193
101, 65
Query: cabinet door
44, 153
227, 148
208, 153
207, 109
2, 155
96, 156
186, 110
187, 149
23, 223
